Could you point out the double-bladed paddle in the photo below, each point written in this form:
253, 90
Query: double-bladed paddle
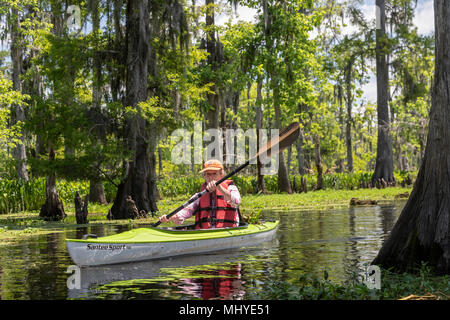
284, 139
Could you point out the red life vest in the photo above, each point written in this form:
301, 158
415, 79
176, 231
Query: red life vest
214, 211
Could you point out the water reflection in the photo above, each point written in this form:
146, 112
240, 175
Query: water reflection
340, 241
223, 283
203, 276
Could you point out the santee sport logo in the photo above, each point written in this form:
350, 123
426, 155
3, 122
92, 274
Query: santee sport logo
107, 247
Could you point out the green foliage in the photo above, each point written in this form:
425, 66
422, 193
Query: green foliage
18, 195
393, 286
254, 217
9, 98
181, 186
185, 186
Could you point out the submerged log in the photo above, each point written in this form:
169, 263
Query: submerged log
303, 187
132, 210
404, 195
81, 209
358, 202
52, 209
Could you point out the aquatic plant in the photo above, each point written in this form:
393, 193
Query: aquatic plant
422, 282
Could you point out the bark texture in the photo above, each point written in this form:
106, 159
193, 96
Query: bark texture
318, 161
81, 209
384, 166
212, 115
137, 182
97, 191
300, 151
53, 209
284, 184
349, 118
18, 113
422, 232
261, 187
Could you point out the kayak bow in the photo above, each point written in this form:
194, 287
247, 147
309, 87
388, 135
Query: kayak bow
153, 243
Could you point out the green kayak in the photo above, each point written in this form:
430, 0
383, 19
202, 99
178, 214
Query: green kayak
153, 243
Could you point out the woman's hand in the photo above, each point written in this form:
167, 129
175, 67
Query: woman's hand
173, 218
211, 186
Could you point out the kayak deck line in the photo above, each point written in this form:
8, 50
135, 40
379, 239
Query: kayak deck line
159, 235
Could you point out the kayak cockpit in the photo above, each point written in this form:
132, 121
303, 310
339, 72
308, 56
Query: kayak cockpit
191, 227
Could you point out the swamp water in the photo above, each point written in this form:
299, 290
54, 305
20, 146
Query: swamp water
340, 241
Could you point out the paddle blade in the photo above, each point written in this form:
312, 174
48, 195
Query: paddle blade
285, 138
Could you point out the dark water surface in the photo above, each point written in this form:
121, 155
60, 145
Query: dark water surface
340, 241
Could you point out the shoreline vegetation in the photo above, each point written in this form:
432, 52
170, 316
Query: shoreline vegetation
15, 226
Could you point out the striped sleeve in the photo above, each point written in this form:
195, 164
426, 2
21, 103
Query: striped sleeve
187, 212
235, 196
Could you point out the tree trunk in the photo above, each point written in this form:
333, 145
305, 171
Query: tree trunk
348, 121
422, 232
300, 154
97, 191
18, 113
299, 146
152, 175
81, 209
340, 116
384, 166
212, 115
53, 209
117, 72
284, 184
259, 123
318, 161
137, 182
289, 159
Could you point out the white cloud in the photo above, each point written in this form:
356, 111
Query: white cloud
370, 89
246, 13
242, 13
424, 17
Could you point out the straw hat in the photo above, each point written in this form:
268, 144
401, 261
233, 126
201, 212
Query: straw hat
212, 165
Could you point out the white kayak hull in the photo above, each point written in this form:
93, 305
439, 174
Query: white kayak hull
94, 253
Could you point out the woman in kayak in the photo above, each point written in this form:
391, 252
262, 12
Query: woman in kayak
219, 208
